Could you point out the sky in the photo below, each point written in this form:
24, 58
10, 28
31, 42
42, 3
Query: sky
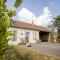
40, 11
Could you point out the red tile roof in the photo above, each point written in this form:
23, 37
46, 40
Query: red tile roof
24, 25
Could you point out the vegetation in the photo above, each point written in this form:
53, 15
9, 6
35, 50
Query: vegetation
56, 24
52, 33
24, 53
55, 29
5, 21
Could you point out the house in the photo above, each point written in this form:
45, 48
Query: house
29, 33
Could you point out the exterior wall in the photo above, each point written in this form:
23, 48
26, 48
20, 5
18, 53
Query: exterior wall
34, 36
21, 34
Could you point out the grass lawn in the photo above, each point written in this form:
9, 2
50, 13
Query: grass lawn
24, 53
33, 55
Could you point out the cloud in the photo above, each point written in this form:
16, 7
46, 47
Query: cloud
45, 18
27, 16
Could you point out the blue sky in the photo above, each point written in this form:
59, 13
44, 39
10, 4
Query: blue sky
43, 11
36, 6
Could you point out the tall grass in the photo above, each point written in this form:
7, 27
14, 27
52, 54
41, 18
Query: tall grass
24, 53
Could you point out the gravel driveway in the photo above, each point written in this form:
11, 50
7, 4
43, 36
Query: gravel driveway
51, 48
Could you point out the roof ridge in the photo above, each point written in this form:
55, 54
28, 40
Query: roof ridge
21, 24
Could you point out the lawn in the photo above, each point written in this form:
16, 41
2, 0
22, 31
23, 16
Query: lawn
33, 55
24, 53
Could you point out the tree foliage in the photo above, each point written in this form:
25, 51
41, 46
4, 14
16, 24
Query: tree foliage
19, 2
5, 20
57, 21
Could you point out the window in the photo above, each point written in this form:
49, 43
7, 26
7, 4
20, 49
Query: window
21, 33
34, 35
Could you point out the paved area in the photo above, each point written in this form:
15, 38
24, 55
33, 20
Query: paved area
51, 48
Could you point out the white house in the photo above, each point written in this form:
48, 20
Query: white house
28, 33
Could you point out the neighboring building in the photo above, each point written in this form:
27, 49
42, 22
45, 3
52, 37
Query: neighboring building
29, 33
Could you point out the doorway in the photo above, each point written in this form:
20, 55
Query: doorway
27, 37
43, 36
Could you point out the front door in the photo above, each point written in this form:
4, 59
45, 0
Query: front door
27, 37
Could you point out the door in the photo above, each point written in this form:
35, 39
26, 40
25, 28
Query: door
27, 37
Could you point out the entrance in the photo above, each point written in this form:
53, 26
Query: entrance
27, 37
43, 36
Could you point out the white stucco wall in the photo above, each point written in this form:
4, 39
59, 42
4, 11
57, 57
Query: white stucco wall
33, 35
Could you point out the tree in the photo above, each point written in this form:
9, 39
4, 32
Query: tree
56, 23
5, 21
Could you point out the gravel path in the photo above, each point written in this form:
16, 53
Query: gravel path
51, 48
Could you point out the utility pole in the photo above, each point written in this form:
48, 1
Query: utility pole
32, 20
